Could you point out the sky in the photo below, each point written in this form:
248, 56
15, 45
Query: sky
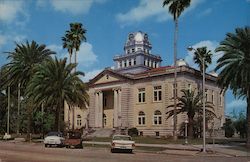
108, 22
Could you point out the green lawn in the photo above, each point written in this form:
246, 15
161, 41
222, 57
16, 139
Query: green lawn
153, 140
148, 140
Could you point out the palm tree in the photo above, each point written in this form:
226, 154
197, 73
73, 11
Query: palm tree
20, 69
176, 7
54, 83
234, 66
192, 105
72, 42
76, 35
200, 54
67, 43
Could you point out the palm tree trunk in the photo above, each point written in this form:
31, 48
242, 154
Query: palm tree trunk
75, 59
190, 127
248, 118
175, 79
18, 108
69, 118
73, 118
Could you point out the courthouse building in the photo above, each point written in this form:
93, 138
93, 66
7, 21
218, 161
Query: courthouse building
138, 91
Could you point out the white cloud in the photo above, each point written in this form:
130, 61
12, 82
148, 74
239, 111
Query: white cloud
91, 74
85, 56
211, 45
41, 3
3, 40
10, 10
205, 12
74, 7
146, 9
248, 1
11, 38
236, 106
150, 9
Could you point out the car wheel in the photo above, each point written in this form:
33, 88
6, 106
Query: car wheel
130, 151
112, 150
46, 145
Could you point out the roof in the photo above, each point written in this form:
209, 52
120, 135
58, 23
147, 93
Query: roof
155, 72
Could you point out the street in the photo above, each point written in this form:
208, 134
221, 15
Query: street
36, 152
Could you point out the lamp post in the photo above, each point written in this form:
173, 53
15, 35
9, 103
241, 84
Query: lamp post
190, 48
186, 138
8, 113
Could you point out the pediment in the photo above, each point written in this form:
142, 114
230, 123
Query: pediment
107, 76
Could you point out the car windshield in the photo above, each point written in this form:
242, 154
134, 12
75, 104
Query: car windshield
59, 134
127, 138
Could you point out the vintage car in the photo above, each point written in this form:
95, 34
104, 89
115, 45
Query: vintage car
73, 139
122, 143
54, 139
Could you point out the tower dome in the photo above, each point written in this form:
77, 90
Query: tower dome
137, 41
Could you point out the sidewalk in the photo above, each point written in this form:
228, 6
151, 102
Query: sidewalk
191, 150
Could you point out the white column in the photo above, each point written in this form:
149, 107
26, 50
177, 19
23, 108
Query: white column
119, 109
115, 115
96, 109
100, 109
132, 62
122, 63
149, 63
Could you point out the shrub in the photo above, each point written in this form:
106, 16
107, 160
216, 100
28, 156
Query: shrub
133, 132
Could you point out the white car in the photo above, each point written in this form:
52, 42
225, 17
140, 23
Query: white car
54, 139
122, 142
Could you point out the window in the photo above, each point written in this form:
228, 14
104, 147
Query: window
128, 51
133, 50
141, 133
141, 118
157, 134
157, 93
125, 64
135, 61
174, 90
104, 119
141, 95
105, 102
79, 120
129, 63
157, 118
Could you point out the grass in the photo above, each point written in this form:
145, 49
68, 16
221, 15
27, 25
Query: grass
153, 149
153, 140
148, 140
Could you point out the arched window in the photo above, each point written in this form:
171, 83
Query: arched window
157, 118
104, 119
79, 120
141, 118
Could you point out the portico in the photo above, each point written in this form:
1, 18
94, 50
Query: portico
108, 108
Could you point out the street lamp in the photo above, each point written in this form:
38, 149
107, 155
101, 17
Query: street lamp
190, 48
186, 138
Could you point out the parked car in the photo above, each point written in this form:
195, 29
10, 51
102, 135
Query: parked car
54, 139
122, 142
73, 139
